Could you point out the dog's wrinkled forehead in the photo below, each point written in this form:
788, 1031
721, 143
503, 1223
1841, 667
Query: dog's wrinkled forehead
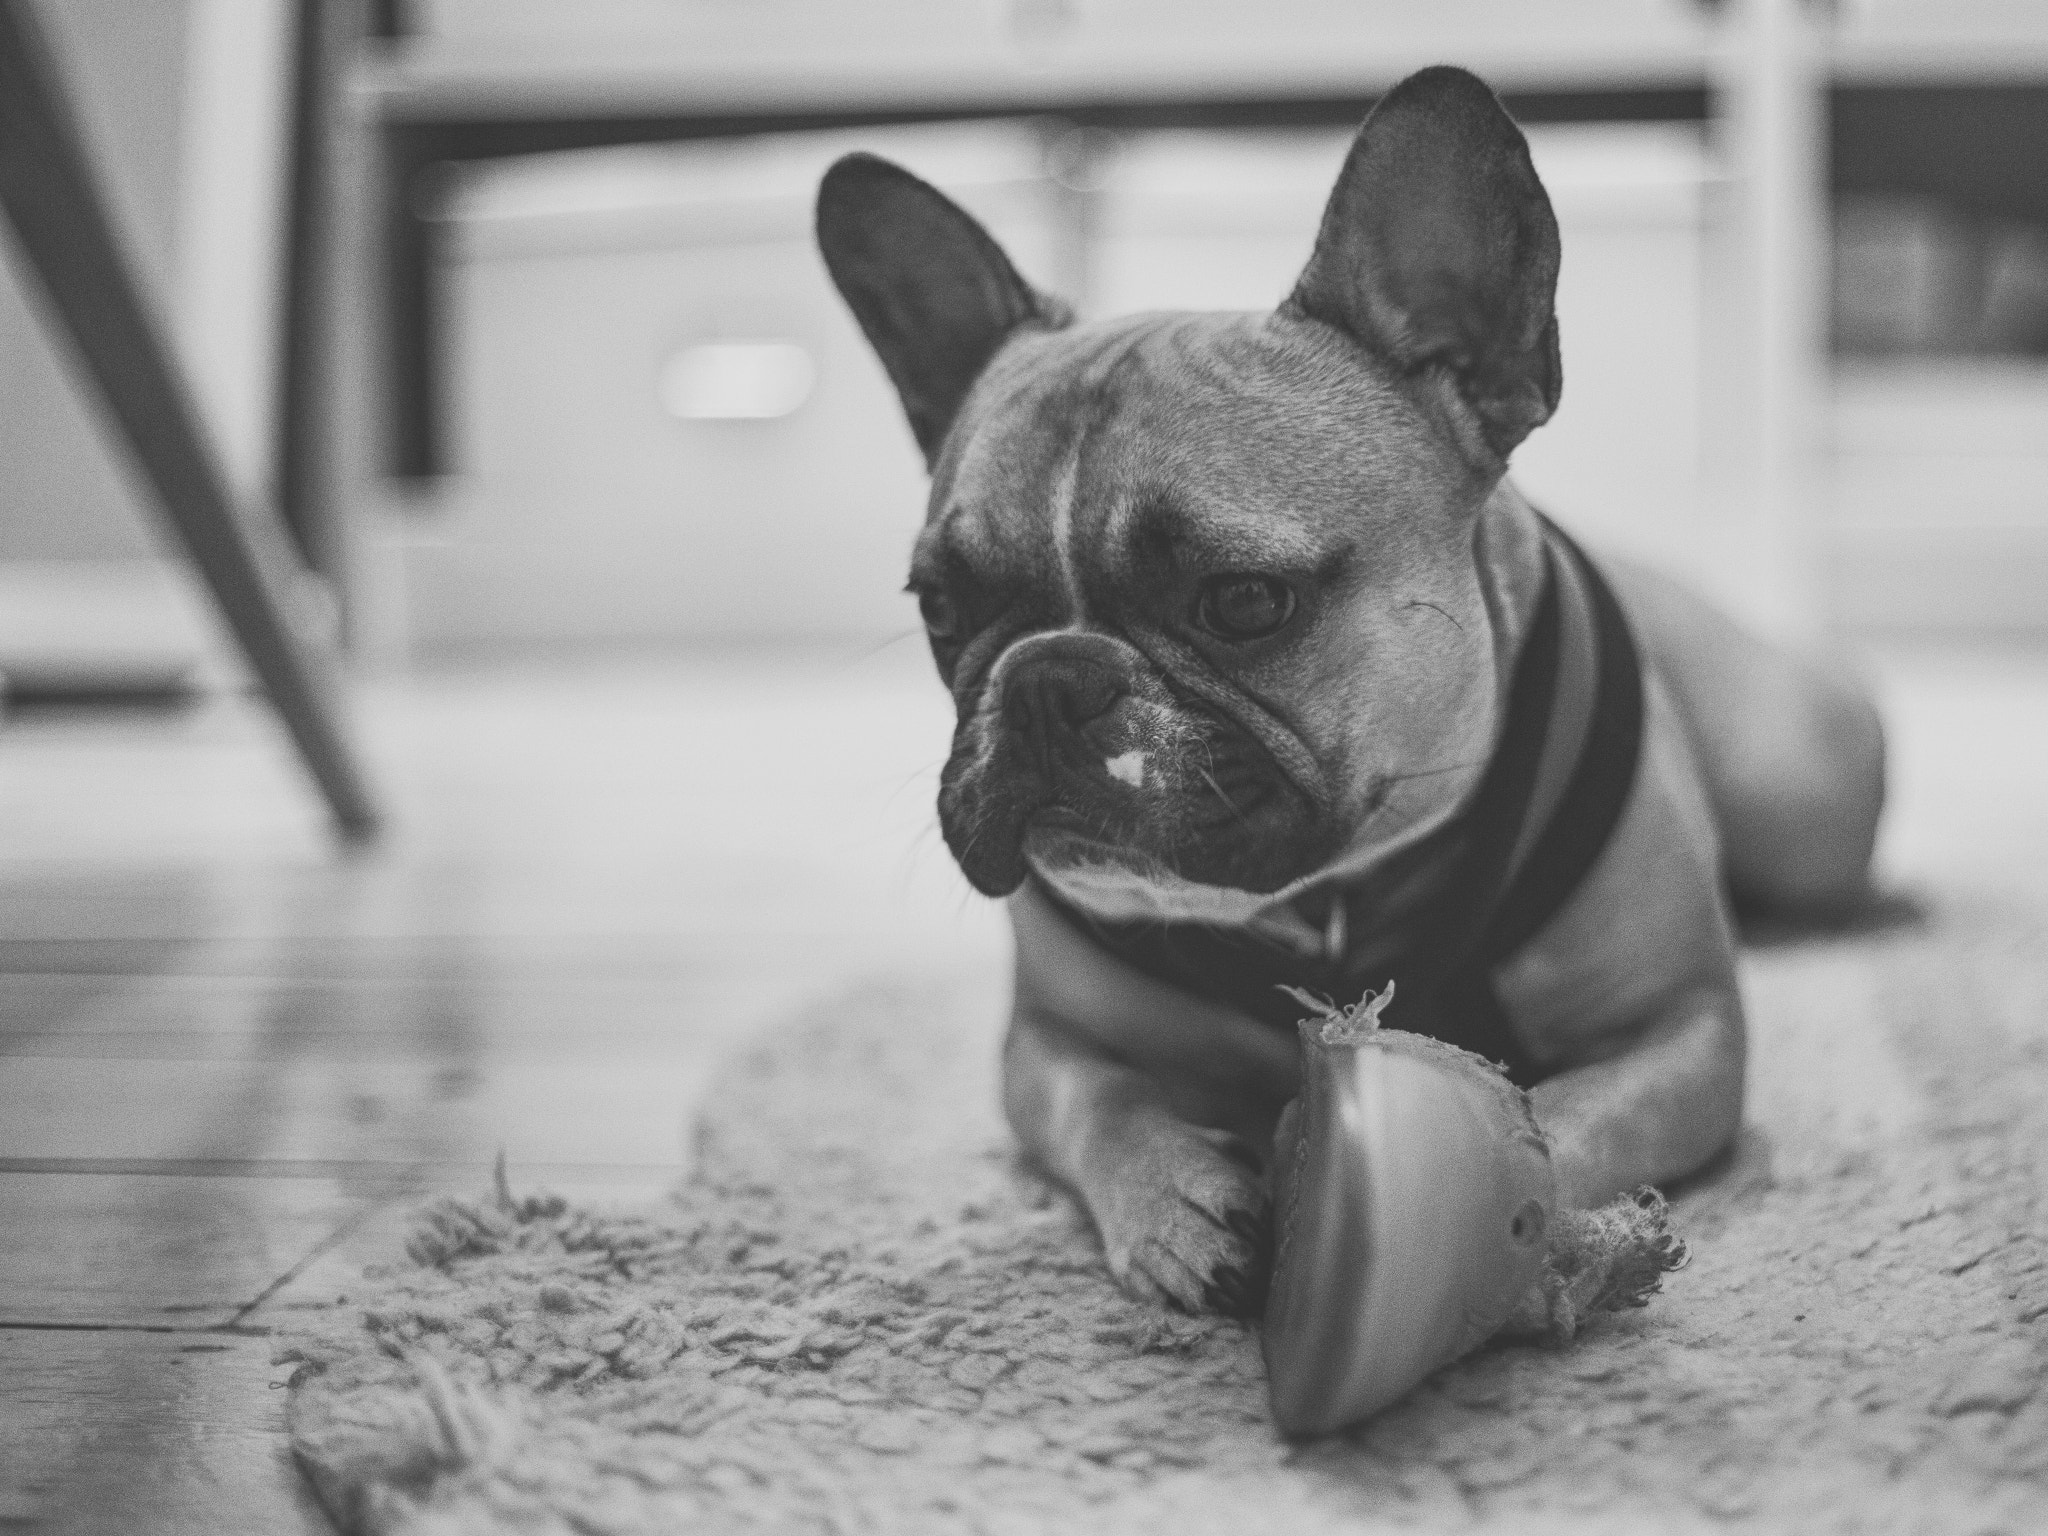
1083, 451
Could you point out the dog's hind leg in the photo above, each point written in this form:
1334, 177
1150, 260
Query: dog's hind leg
1789, 745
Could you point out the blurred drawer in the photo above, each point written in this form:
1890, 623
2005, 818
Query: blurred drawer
669, 427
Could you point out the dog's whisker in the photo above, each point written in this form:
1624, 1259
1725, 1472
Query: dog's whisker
914, 777
872, 651
1210, 779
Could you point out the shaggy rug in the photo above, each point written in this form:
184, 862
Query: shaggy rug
860, 1313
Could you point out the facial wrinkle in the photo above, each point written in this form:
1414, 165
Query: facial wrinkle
1065, 489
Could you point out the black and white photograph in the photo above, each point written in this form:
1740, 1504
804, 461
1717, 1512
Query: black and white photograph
1011, 766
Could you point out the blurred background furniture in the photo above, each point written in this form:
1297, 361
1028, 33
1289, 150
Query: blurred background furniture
442, 273
48, 189
1811, 484
545, 270
484, 297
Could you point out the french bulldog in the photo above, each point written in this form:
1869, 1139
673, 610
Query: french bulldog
1238, 612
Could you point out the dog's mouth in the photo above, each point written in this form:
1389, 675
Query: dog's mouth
1191, 799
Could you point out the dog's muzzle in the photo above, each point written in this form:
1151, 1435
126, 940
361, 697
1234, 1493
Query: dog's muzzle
1069, 733
1052, 687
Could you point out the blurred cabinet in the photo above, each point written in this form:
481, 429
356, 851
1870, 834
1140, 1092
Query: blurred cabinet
1704, 422
670, 427
672, 430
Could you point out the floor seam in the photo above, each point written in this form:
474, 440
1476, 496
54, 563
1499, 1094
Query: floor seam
31, 1325
345, 1230
405, 1175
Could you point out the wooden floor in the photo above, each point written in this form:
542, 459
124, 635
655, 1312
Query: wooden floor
231, 1050
230, 1054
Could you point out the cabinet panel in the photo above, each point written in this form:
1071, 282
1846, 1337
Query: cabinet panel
795, 53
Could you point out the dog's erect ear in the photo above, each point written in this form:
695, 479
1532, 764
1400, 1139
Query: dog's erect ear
935, 294
1439, 253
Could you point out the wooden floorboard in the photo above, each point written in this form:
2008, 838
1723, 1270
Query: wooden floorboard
234, 1058
161, 1250
354, 1004
127, 1432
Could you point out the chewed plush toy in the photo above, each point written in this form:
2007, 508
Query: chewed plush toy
1416, 1217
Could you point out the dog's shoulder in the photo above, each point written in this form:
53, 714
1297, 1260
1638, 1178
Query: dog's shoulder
1647, 923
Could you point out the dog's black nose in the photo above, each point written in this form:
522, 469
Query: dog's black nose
1057, 695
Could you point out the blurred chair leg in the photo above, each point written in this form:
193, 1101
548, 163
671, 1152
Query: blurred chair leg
47, 189
304, 492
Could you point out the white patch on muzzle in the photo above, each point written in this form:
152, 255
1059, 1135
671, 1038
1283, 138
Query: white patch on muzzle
1127, 768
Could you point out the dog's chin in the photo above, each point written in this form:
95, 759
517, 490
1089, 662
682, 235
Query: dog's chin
1047, 837
1074, 862
1050, 847
1054, 840
1056, 845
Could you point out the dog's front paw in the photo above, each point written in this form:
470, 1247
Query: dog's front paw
1185, 1224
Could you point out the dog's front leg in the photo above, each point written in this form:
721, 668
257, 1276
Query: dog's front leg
1154, 1106
1630, 997
1180, 1206
1658, 1101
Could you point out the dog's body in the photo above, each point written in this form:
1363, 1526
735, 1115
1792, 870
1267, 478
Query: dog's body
1232, 607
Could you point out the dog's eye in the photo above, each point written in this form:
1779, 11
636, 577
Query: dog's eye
940, 617
1240, 606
